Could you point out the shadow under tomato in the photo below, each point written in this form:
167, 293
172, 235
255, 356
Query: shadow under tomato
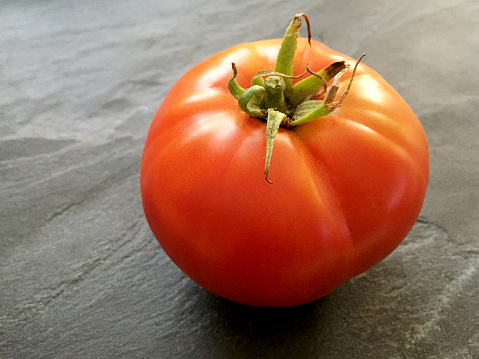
255, 332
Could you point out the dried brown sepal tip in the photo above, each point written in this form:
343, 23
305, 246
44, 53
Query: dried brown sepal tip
306, 19
328, 101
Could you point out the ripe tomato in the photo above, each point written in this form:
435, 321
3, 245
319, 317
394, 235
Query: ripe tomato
347, 189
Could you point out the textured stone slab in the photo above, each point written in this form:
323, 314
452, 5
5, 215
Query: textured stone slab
80, 272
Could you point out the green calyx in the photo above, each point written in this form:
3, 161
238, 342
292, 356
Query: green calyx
274, 99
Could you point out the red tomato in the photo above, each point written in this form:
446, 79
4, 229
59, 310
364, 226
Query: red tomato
347, 189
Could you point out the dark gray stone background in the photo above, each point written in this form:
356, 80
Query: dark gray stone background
81, 275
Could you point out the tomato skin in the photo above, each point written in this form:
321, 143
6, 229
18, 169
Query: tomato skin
347, 188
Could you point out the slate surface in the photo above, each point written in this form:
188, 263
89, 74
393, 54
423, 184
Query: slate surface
81, 275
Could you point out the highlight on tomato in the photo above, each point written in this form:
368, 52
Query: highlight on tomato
341, 190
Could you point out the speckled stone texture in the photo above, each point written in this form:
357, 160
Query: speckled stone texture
81, 275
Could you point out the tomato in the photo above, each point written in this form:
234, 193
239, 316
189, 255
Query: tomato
347, 189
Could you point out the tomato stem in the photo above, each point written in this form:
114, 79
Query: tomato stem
273, 98
275, 86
